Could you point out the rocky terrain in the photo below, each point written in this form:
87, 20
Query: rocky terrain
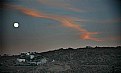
80, 60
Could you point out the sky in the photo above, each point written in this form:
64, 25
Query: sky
52, 24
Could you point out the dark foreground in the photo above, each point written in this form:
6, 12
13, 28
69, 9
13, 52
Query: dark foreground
81, 60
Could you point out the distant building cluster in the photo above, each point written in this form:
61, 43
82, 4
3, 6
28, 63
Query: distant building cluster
30, 58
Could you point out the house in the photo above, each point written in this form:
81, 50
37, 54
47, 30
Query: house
43, 60
21, 60
31, 59
39, 63
27, 53
53, 60
32, 56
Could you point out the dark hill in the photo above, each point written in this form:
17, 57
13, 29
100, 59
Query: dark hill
81, 60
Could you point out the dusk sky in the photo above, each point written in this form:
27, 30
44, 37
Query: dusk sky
52, 24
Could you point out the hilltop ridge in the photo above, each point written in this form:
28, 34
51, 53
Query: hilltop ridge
80, 60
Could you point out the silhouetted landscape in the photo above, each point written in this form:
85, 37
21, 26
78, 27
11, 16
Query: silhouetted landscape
70, 60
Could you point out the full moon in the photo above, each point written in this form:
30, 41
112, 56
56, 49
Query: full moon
16, 25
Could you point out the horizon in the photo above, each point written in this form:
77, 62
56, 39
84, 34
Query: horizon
86, 47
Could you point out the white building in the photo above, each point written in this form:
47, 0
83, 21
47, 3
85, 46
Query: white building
44, 60
21, 60
38, 63
27, 53
53, 60
31, 56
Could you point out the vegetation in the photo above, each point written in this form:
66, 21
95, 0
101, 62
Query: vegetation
80, 60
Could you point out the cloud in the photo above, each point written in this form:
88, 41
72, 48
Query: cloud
102, 21
60, 4
108, 21
87, 36
113, 38
64, 20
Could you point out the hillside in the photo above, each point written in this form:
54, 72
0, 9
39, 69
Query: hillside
80, 60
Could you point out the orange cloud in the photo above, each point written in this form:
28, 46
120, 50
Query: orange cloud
87, 36
65, 21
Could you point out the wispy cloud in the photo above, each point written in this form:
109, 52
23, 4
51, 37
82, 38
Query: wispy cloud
64, 20
107, 21
113, 38
102, 21
60, 4
87, 36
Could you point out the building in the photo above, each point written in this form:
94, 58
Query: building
21, 60
31, 59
